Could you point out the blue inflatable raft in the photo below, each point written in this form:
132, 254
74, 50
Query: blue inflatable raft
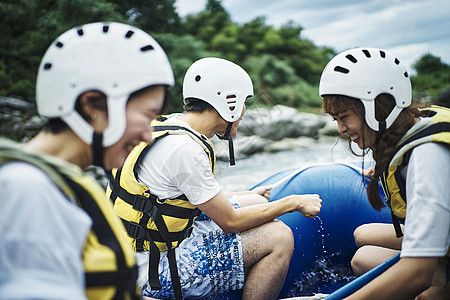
344, 207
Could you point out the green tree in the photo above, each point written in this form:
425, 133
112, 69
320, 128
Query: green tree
247, 43
182, 52
429, 64
433, 77
153, 16
28, 28
207, 23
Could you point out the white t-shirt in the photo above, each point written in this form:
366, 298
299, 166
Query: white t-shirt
42, 236
177, 165
427, 224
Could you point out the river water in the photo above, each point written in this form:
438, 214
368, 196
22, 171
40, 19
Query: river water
251, 170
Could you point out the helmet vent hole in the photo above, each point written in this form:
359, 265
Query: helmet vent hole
80, 32
231, 103
397, 61
382, 54
129, 34
391, 87
147, 48
366, 53
406, 74
105, 28
59, 44
197, 79
219, 93
47, 66
351, 58
341, 70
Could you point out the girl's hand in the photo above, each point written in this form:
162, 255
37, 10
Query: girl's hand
369, 172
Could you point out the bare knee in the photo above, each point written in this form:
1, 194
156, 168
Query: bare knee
360, 234
368, 257
358, 263
282, 237
273, 238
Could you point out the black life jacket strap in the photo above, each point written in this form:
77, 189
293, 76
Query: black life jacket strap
145, 204
139, 231
138, 202
153, 266
112, 185
174, 274
94, 279
106, 237
396, 222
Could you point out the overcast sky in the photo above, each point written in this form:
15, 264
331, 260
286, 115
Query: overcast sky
406, 28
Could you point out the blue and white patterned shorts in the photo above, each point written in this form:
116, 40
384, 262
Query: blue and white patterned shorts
209, 262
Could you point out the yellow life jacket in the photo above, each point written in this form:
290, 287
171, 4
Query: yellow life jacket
435, 128
154, 224
109, 263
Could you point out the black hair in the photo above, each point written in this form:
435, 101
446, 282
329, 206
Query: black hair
197, 105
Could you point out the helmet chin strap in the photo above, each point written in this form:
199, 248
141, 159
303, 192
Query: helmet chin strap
380, 132
228, 137
97, 150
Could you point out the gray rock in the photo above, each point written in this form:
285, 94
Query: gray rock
243, 146
18, 119
291, 144
280, 122
329, 129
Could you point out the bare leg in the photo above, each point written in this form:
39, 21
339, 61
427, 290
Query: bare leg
368, 257
377, 243
377, 234
267, 253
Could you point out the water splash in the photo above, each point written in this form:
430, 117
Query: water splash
327, 273
325, 276
321, 232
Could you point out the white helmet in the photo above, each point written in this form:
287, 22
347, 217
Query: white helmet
113, 58
219, 82
365, 73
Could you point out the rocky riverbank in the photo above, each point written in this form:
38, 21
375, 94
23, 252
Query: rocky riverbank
276, 129
261, 130
18, 119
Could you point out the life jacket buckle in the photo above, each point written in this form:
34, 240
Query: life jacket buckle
134, 230
141, 203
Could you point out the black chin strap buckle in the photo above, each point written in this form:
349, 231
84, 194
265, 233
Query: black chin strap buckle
97, 149
228, 137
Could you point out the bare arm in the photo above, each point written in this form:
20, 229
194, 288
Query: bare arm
237, 220
260, 190
404, 280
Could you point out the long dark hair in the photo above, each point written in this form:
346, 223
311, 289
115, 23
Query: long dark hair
387, 142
